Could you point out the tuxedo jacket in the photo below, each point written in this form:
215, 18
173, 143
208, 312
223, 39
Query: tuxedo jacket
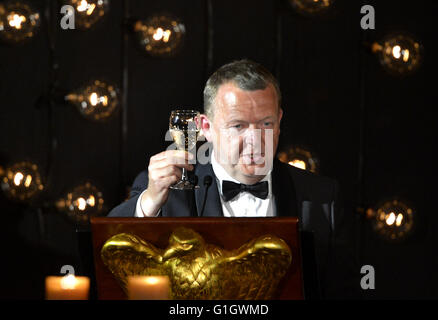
329, 266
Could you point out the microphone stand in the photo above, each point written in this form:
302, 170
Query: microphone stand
208, 180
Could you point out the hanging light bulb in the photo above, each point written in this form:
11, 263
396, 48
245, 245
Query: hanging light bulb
399, 54
311, 7
300, 158
393, 219
97, 100
18, 21
22, 181
81, 203
160, 35
88, 12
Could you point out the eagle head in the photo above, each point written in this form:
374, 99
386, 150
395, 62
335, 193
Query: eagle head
182, 242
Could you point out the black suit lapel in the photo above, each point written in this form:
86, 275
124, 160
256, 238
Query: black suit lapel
283, 189
213, 206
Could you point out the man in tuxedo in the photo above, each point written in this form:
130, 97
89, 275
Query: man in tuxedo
241, 121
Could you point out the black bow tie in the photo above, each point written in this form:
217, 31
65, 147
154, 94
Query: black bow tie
231, 189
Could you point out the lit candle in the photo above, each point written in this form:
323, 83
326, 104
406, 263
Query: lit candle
67, 287
148, 288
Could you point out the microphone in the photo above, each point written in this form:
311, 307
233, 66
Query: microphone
208, 180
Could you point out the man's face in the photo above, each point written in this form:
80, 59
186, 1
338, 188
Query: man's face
244, 131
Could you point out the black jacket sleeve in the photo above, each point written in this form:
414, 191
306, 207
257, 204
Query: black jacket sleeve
127, 208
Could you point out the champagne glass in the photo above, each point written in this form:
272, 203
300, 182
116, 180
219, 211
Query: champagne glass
184, 131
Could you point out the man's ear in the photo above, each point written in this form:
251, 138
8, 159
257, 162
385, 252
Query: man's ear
205, 125
280, 114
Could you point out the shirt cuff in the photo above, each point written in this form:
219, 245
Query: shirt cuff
139, 212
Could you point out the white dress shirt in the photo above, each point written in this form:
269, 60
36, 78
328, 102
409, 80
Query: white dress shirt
243, 205
139, 211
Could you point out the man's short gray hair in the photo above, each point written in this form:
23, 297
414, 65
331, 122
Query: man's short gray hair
245, 74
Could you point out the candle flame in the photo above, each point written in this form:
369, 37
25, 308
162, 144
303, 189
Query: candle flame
68, 282
151, 280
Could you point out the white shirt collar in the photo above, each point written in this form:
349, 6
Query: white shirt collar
221, 174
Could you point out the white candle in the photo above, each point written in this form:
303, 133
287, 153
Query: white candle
67, 287
148, 288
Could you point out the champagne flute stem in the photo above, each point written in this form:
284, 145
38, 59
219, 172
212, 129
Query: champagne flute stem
184, 175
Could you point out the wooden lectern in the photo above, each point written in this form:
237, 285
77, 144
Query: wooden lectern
228, 233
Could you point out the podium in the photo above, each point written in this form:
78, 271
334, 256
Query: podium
226, 233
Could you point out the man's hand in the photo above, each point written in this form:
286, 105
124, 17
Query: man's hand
164, 170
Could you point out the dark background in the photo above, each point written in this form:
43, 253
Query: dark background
319, 62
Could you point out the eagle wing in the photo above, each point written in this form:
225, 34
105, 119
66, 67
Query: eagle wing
255, 269
127, 255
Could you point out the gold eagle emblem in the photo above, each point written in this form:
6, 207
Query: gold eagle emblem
198, 270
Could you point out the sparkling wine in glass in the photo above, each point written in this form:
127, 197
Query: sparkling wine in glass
184, 131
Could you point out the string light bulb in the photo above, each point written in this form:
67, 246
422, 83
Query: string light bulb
160, 35
88, 12
96, 100
81, 203
18, 21
392, 219
398, 54
311, 7
299, 157
22, 181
